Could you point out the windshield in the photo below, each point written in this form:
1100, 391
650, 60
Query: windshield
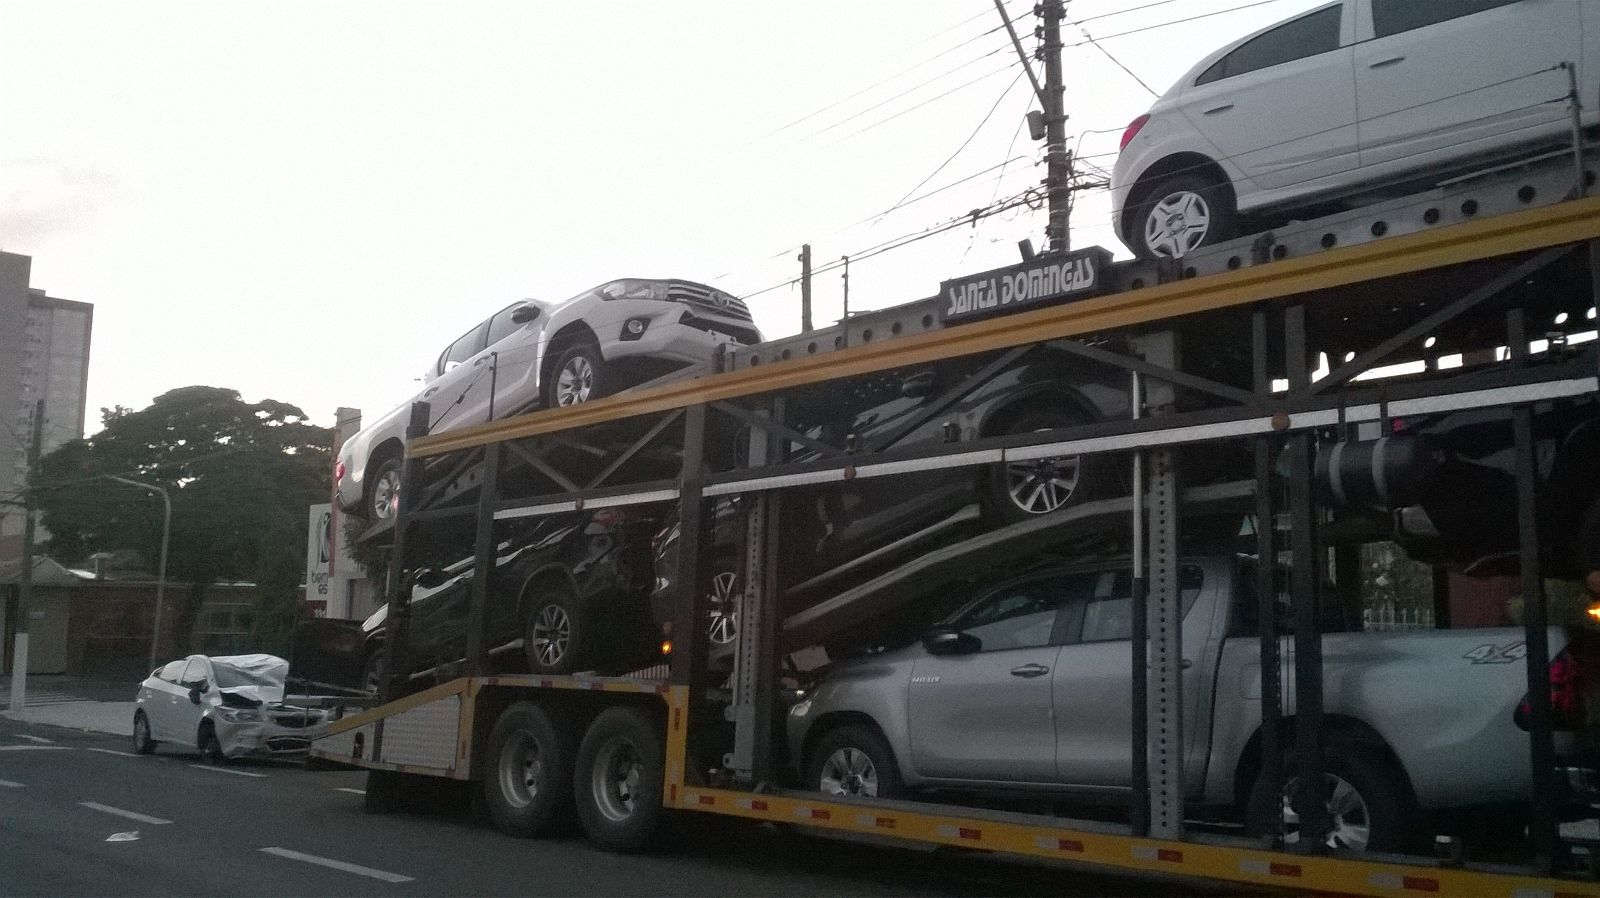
231, 675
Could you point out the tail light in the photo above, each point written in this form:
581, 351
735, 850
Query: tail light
1132, 131
1566, 694
338, 470
611, 517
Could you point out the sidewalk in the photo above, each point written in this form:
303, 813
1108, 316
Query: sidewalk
81, 703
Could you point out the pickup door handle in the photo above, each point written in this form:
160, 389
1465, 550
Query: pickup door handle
1030, 671
1382, 63
1216, 109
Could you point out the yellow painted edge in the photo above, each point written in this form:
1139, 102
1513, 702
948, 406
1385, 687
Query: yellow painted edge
673, 780
1223, 863
1562, 223
372, 715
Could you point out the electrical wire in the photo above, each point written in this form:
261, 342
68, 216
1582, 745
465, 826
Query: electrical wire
964, 144
901, 95
953, 90
1153, 27
1119, 64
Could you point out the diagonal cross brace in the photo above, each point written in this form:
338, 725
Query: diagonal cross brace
1160, 372
543, 467
776, 428
1365, 360
633, 450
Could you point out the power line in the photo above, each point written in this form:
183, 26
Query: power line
908, 91
956, 89
964, 144
1153, 27
1118, 63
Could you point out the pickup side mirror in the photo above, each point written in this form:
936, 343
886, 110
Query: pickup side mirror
197, 689
951, 642
525, 314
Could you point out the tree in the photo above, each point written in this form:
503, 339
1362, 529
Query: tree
240, 476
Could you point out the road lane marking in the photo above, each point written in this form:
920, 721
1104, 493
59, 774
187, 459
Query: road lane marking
39, 739
352, 791
112, 751
225, 770
131, 815
332, 864
35, 748
7, 784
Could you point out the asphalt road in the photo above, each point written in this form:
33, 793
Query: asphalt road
81, 815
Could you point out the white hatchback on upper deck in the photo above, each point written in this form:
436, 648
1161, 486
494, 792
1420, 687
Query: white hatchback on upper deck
1350, 99
534, 354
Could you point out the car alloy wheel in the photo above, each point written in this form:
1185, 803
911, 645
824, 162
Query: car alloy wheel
1042, 486
724, 627
618, 772
575, 381
849, 771
552, 633
1177, 224
386, 494
1348, 813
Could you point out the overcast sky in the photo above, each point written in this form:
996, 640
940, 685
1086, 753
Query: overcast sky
307, 201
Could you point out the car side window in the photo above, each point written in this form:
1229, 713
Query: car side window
1299, 38
501, 326
1021, 615
173, 672
1396, 16
196, 671
1108, 612
463, 349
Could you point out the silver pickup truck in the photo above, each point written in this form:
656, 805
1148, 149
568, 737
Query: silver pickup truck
1025, 689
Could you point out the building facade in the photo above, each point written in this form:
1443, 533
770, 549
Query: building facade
44, 354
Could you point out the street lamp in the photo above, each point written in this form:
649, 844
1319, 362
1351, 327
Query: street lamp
161, 575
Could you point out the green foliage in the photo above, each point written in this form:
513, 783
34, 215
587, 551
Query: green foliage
240, 476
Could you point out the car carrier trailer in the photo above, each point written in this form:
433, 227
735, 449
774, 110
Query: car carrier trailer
1477, 286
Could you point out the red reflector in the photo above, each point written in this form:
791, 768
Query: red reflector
1132, 131
970, 833
677, 719
1169, 855
758, 805
1068, 845
884, 823
819, 814
707, 799
1284, 869
1420, 884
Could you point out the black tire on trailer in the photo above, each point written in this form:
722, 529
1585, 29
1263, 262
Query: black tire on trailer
1023, 491
142, 743
619, 778
373, 670
527, 771
555, 633
382, 494
1368, 793
579, 375
853, 759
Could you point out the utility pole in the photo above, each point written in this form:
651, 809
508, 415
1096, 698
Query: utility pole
844, 323
805, 289
1058, 167
19, 657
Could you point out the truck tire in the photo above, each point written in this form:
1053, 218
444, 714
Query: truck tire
211, 747
1369, 798
527, 772
555, 632
854, 759
619, 780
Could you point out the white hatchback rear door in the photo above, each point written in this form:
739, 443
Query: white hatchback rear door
1442, 80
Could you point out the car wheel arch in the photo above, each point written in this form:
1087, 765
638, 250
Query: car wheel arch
1040, 398
833, 720
1334, 727
1169, 166
550, 573
571, 332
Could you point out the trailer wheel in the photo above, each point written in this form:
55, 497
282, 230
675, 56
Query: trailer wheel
383, 792
619, 780
853, 759
1368, 798
527, 777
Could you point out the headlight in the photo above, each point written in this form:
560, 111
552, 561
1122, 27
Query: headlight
634, 288
239, 715
801, 709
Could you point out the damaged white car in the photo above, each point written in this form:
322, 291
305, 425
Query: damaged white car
227, 707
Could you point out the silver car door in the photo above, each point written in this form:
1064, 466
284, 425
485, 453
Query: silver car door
158, 703
986, 715
1094, 678
461, 369
186, 714
1446, 81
